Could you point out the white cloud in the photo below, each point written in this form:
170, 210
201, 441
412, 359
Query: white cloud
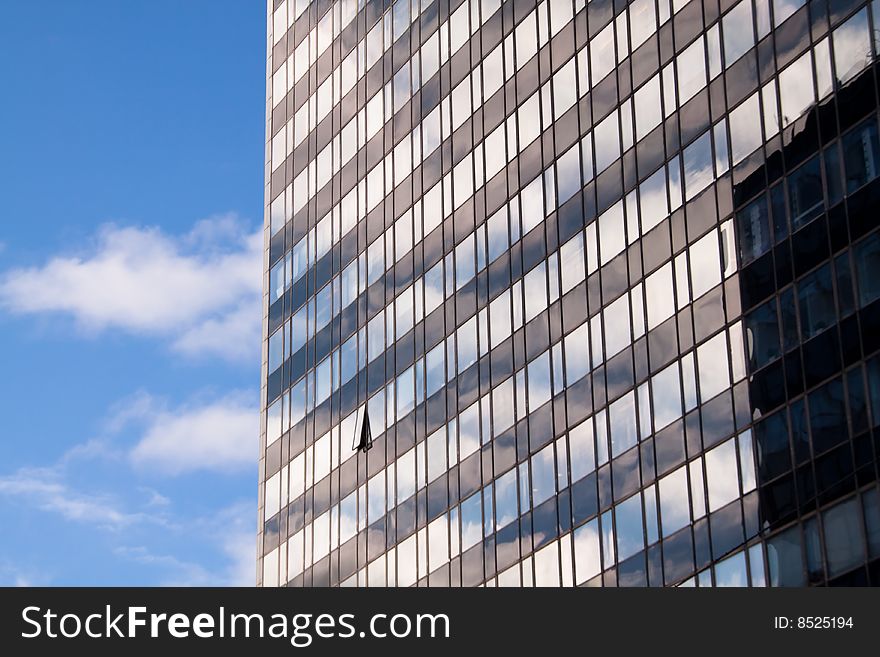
200, 290
220, 435
45, 489
230, 531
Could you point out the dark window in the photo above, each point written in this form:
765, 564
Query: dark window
861, 155
816, 302
762, 334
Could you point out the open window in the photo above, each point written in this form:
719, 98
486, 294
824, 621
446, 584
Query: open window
362, 439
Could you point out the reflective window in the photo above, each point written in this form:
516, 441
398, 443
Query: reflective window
843, 537
630, 531
722, 479
712, 359
602, 54
572, 262
739, 31
753, 230
543, 476
471, 521
607, 138
660, 296
805, 193
568, 174
623, 424
745, 131
653, 204
535, 283
732, 571
852, 47
867, 259
506, 509
796, 92
648, 108
861, 155
674, 502
667, 396
691, 70
539, 381
698, 161
816, 302
762, 335
587, 556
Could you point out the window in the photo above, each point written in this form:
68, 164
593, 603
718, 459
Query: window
739, 31
505, 499
568, 174
674, 502
587, 557
623, 424
539, 381
660, 296
861, 155
753, 230
805, 193
471, 521
649, 111
843, 537
653, 204
867, 259
712, 358
667, 396
628, 521
816, 302
698, 160
602, 54
796, 92
607, 138
762, 335
543, 476
745, 131
691, 69
721, 475
852, 47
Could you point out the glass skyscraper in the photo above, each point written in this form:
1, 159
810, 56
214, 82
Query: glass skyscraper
571, 293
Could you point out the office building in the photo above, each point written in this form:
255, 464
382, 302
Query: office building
571, 293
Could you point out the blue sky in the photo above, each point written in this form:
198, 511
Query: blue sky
131, 170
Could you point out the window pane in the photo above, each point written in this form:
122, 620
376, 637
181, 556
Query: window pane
691, 71
796, 92
843, 537
805, 193
667, 396
861, 155
753, 230
739, 31
607, 138
623, 424
543, 476
852, 47
674, 502
506, 510
762, 335
630, 533
816, 302
698, 171
721, 475
539, 381
745, 130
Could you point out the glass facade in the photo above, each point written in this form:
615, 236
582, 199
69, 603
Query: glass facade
571, 293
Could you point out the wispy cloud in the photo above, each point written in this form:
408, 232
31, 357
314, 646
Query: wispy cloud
229, 531
220, 435
200, 290
46, 489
